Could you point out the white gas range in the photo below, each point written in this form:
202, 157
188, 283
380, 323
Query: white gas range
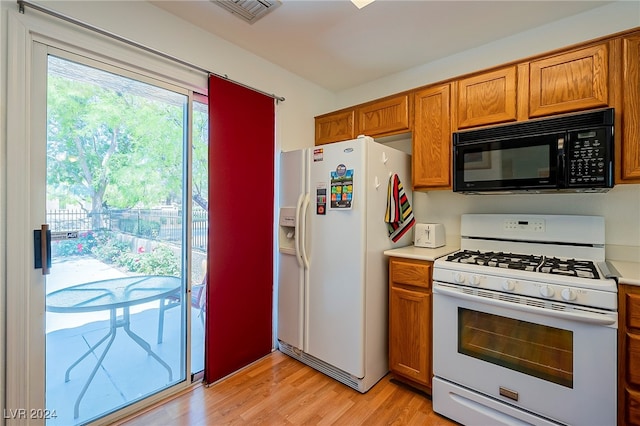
521, 315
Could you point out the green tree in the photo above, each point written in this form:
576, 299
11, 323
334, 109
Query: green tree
112, 140
200, 158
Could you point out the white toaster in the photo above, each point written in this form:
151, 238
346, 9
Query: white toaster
430, 235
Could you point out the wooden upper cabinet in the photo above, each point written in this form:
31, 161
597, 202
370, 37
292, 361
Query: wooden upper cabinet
630, 167
487, 98
335, 127
431, 144
384, 117
571, 81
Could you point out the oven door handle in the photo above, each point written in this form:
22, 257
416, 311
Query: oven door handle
586, 317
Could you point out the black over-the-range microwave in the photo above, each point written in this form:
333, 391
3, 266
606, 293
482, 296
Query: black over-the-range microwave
566, 153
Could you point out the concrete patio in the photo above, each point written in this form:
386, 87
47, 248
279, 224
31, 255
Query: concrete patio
127, 372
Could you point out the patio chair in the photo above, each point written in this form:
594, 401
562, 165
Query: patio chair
198, 299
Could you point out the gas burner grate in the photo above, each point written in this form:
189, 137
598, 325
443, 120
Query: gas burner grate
527, 262
569, 267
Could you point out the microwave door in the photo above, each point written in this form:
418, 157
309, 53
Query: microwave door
528, 163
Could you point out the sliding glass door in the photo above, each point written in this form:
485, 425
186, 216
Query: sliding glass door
106, 241
115, 195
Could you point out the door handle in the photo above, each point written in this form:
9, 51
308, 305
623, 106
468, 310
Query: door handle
42, 249
303, 242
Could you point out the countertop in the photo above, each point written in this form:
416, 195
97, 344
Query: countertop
421, 253
629, 271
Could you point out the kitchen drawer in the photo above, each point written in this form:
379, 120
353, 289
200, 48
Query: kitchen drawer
632, 408
414, 273
633, 310
633, 359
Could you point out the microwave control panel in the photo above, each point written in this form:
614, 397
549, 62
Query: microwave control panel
588, 157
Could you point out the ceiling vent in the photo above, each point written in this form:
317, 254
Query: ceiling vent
248, 10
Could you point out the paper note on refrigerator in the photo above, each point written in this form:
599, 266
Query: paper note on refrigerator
341, 188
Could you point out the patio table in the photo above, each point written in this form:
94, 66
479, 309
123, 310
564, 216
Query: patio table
111, 295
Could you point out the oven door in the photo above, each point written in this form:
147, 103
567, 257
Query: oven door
557, 365
525, 163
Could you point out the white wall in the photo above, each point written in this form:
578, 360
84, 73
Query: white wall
153, 27
612, 18
620, 206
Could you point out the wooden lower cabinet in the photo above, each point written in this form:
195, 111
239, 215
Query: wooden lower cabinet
410, 302
628, 355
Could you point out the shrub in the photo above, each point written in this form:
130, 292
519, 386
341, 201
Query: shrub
81, 246
108, 248
160, 261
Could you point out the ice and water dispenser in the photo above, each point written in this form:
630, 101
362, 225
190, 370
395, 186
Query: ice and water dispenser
287, 230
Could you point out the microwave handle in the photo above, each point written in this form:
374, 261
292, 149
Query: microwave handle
562, 174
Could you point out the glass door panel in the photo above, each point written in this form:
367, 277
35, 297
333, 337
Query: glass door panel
534, 349
115, 323
199, 229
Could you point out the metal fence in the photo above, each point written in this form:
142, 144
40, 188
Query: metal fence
153, 224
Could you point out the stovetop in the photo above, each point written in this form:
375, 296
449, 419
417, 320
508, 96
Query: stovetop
552, 258
552, 279
527, 262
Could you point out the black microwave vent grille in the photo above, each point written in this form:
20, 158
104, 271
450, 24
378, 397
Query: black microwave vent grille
568, 122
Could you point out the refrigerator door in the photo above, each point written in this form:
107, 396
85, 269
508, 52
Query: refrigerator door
293, 171
336, 244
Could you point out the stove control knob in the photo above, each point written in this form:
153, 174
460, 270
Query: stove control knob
459, 277
546, 291
509, 285
474, 280
568, 295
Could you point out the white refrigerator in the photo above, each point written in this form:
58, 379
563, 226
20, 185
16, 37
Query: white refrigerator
332, 273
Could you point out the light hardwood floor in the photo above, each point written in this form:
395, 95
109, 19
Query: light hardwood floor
278, 390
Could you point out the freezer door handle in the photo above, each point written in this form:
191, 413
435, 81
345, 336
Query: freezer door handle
298, 229
303, 228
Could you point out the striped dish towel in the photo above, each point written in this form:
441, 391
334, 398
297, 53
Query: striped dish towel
399, 215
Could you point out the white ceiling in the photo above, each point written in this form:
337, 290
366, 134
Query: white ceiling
337, 46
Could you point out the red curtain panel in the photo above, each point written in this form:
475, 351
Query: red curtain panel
240, 252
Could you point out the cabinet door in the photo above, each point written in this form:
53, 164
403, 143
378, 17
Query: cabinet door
628, 355
384, 117
631, 111
410, 334
487, 98
569, 82
431, 145
633, 359
632, 411
335, 127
